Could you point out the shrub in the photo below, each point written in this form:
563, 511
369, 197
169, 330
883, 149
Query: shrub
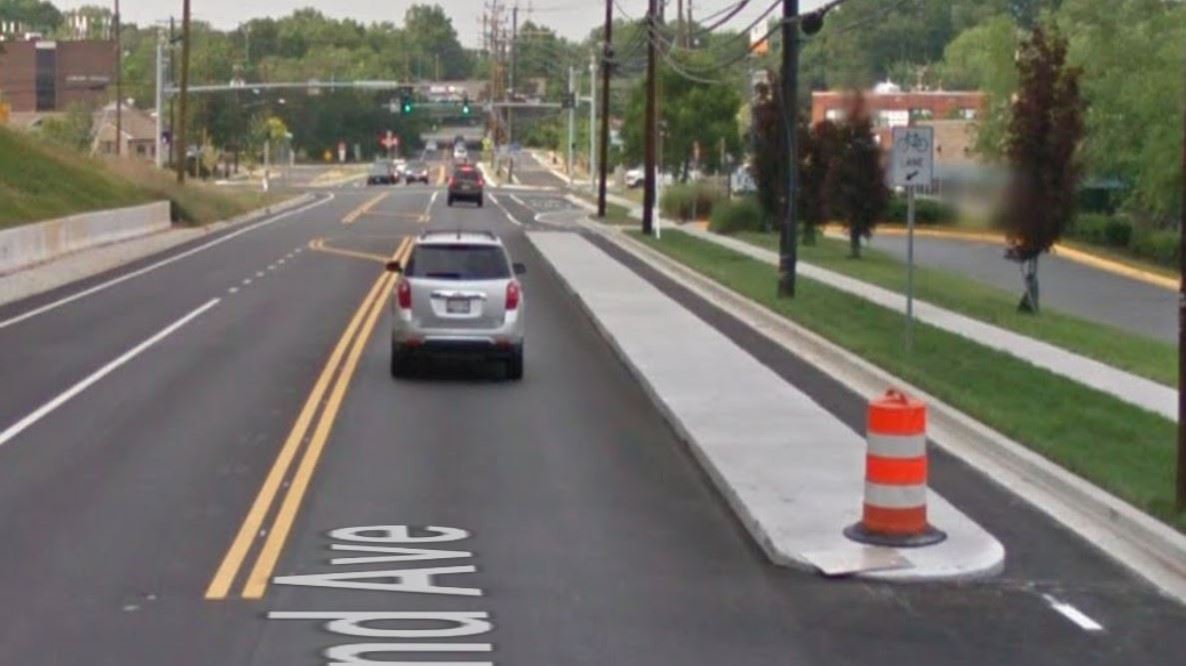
679, 200
927, 212
1159, 246
730, 217
1104, 230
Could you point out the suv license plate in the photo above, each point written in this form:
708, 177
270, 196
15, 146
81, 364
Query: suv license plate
457, 306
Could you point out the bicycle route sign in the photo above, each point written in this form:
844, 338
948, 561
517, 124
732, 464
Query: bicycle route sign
913, 158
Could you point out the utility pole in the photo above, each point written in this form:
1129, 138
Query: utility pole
592, 119
1181, 494
119, 82
160, 99
680, 26
606, 71
514, 70
788, 236
179, 138
572, 116
648, 191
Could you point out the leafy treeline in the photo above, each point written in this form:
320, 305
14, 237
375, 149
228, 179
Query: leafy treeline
1131, 52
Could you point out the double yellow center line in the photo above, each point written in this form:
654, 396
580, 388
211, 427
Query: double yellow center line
334, 380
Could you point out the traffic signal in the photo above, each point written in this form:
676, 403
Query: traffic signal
406, 104
465, 105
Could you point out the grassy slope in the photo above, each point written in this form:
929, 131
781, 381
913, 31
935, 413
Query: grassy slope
39, 181
1120, 447
1149, 358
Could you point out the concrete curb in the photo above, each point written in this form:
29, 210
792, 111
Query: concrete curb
1137, 541
969, 554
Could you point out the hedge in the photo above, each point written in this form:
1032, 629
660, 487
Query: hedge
677, 200
730, 217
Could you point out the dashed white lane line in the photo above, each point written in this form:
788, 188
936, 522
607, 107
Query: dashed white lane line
259, 274
519, 201
507, 213
281, 262
272, 267
42, 411
1073, 614
233, 290
160, 264
247, 281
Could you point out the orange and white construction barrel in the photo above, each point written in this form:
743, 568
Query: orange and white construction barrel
895, 507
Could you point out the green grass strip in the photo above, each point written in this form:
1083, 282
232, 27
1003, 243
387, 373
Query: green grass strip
1147, 357
1122, 448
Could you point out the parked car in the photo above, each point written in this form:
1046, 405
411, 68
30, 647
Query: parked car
458, 295
466, 184
416, 172
381, 173
635, 178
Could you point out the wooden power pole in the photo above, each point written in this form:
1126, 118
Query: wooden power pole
180, 140
119, 81
607, 55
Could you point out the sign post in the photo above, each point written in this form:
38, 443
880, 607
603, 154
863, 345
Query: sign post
913, 167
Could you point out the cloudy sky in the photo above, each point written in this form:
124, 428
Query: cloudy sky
572, 18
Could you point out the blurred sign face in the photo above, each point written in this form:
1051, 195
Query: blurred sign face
913, 156
759, 45
5, 110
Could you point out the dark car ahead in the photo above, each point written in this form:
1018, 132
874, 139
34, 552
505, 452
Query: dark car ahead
381, 173
416, 172
466, 184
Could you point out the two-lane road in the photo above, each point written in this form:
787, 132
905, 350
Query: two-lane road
254, 488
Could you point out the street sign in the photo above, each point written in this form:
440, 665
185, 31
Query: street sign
913, 159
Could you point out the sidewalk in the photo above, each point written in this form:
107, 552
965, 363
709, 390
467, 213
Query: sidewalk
1144, 393
792, 471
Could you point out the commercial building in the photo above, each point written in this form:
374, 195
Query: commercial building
891, 107
45, 76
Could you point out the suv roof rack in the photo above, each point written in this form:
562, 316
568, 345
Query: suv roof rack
458, 232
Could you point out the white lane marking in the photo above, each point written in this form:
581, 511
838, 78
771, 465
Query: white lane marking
233, 290
519, 201
492, 198
160, 264
247, 281
40, 413
508, 214
281, 262
271, 267
433, 200
259, 274
1073, 614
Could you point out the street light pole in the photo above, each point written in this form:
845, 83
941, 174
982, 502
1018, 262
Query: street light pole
788, 235
160, 100
648, 191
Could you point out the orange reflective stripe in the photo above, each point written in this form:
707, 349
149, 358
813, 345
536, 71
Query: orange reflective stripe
895, 521
897, 416
896, 471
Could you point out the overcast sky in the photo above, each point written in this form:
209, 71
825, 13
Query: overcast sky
571, 18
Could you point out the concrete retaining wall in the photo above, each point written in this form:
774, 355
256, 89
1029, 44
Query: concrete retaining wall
31, 244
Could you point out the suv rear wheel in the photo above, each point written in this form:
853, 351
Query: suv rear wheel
400, 362
515, 365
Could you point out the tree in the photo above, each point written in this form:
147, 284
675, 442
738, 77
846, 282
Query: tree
855, 186
1043, 136
982, 58
71, 129
817, 146
430, 31
692, 110
35, 15
770, 148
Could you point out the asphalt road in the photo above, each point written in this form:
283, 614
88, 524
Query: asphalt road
1073, 288
141, 423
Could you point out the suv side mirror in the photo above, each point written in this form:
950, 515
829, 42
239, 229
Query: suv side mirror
520, 269
394, 267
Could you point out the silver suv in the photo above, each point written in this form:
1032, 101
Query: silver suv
458, 296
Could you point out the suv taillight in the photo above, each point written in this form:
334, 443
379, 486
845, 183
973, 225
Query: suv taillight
513, 295
403, 294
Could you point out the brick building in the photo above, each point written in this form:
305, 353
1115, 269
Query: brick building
891, 107
46, 76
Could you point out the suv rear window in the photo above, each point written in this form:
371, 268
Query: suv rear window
458, 262
469, 175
